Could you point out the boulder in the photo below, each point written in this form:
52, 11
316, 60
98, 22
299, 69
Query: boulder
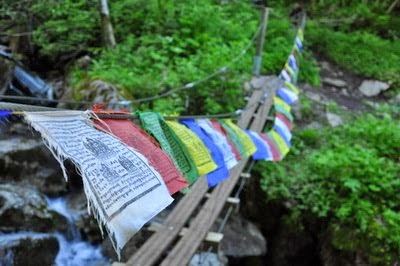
25, 249
208, 258
333, 119
242, 239
27, 161
338, 83
371, 88
25, 209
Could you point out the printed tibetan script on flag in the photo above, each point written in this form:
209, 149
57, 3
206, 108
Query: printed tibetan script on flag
123, 190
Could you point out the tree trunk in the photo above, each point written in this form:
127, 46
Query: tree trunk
106, 26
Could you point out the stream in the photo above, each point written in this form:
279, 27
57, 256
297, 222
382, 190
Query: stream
73, 251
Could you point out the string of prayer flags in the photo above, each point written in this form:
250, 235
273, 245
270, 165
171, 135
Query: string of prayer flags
222, 172
261, 153
123, 190
244, 139
136, 138
220, 141
199, 153
155, 125
233, 146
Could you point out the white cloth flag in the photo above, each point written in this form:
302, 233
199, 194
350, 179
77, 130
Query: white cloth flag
221, 142
122, 189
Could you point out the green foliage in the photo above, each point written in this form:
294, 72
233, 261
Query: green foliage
359, 52
65, 26
349, 177
185, 44
349, 15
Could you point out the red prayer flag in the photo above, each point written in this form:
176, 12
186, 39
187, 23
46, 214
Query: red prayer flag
136, 138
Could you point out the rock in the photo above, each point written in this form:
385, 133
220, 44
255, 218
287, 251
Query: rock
101, 91
27, 249
371, 88
345, 92
334, 82
18, 165
25, 209
84, 61
314, 125
5, 69
242, 239
333, 119
313, 96
326, 66
208, 258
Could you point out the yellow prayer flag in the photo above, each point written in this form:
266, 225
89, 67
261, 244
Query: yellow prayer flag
200, 154
248, 144
292, 87
282, 103
280, 142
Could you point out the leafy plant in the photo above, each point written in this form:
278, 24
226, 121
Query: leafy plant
349, 177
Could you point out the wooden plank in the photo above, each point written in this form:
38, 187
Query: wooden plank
155, 246
150, 252
189, 243
211, 237
229, 200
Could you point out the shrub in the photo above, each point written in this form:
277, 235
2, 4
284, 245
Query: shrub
348, 177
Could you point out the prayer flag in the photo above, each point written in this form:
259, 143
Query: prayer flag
136, 138
199, 153
220, 141
154, 124
123, 190
222, 171
261, 153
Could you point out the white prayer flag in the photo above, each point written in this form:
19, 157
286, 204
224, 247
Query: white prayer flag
221, 142
122, 189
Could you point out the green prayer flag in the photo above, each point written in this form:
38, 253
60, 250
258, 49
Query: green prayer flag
155, 125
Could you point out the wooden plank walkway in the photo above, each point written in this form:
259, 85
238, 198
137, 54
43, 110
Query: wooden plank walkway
254, 117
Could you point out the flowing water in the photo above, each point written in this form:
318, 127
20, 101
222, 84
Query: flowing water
73, 251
